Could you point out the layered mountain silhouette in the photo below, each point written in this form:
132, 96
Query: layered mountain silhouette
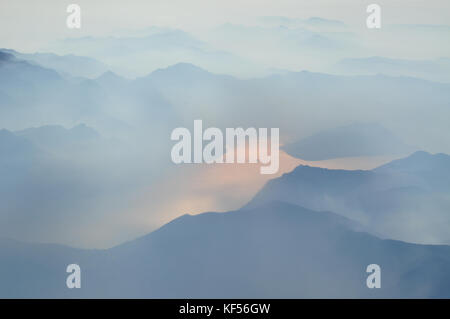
149, 51
32, 95
111, 80
286, 242
181, 93
310, 233
276, 250
65, 64
406, 199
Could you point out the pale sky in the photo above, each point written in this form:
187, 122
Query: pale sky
29, 25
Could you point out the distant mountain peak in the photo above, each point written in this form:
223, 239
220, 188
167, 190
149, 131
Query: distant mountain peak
420, 154
110, 78
183, 67
185, 72
419, 161
108, 74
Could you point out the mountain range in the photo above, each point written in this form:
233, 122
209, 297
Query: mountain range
406, 199
179, 94
68, 65
271, 248
277, 250
309, 233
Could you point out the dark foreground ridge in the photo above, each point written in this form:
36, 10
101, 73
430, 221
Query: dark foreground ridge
277, 250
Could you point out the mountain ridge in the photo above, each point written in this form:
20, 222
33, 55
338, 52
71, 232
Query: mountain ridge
274, 251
